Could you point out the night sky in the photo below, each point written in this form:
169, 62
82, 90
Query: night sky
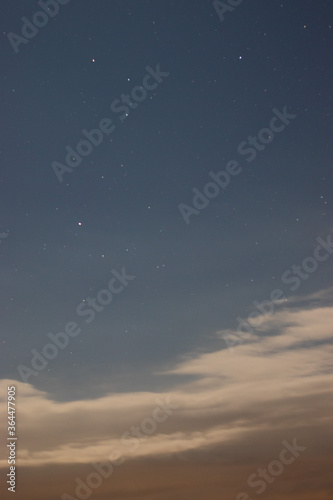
166, 232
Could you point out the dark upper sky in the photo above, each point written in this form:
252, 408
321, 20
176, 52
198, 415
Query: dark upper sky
224, 80
120, 206
123, 205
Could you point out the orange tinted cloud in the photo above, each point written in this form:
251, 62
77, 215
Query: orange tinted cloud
233, 414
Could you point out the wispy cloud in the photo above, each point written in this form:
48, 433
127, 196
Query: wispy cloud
278, 380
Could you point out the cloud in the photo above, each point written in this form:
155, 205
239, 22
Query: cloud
277, 383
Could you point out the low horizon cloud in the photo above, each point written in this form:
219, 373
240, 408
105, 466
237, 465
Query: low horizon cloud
280, 381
